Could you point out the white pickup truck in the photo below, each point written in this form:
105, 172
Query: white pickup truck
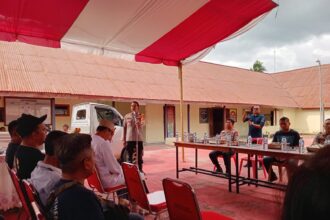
86, 116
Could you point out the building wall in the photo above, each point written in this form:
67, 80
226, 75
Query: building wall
195, 125
304, 121
154, 129
308, 121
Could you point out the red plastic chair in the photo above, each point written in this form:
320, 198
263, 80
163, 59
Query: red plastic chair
253, 161
153, 202
37, 212
182, 202
232, 157
29, 189
20, 193
94, 182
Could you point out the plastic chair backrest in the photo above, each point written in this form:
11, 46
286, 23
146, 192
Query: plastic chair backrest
181, 200
19, 191
94, 182
37, 211
257, 140
29, 190
136, 190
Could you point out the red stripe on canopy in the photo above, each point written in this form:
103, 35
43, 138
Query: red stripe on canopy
212, 23
38, 22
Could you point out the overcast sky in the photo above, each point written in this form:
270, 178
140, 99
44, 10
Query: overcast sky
300, 34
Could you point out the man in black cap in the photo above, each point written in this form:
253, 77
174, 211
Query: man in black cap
33, 133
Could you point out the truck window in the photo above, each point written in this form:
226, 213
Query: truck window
81, 114
103, 113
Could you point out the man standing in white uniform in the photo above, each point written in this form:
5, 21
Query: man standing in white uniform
110, 171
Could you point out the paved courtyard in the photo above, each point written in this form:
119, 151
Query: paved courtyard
212, 193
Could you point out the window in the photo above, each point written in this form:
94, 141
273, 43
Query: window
109, 114
62, 110
81, 114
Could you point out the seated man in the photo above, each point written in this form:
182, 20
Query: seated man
76, 159
47, 174
109, 169
292, 138
70, 199
14, 143
322, 137
33, 132
229, 130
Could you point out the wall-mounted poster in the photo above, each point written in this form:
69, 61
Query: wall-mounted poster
232, 114
15, 107
203, 115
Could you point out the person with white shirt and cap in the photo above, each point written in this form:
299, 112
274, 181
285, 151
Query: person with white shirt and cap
110, 171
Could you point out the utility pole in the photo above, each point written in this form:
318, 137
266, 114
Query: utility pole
321, 97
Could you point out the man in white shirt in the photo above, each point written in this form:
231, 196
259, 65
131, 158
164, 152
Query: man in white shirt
110, 171
47, 173
133, 133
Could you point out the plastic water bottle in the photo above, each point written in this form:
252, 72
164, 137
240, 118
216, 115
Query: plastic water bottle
177, 136
205, 138
265, 143
249, 141
283, 143
301, 145
195, 137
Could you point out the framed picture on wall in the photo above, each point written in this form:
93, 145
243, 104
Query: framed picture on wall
203, 115
232, 114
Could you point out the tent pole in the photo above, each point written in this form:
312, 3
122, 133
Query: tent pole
181, 107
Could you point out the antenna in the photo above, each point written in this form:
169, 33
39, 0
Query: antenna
275, 60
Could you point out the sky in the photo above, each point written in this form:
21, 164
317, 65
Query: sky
296, 34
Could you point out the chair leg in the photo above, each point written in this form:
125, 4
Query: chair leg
263, 168
280, 173
240, 167
234, 159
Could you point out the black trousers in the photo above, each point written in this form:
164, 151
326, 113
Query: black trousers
226, 158
131, 148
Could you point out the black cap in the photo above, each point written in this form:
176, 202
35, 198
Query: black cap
28, 123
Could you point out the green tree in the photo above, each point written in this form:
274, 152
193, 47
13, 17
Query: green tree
258, 67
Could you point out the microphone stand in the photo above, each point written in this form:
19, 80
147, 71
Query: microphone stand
136, 140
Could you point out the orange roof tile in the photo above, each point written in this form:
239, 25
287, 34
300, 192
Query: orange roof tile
304, 85
45, 72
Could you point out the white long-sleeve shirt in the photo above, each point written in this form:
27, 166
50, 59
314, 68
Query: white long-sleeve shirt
110, 171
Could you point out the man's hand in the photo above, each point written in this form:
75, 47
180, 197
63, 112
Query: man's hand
250, 123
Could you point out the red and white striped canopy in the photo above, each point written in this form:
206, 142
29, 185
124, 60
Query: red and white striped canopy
154, 31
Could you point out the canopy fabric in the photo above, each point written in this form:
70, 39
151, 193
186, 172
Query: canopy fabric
154, 31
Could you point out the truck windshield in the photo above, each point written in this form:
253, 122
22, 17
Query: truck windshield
104, 113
